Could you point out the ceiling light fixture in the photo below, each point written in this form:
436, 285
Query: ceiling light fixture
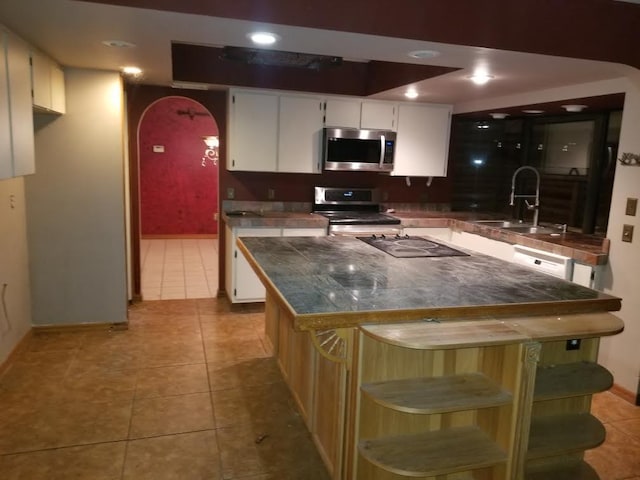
118, 44
533, 112
498, 115
480, 78
132, 71
574, 108
422, 54
411, 93
263, 38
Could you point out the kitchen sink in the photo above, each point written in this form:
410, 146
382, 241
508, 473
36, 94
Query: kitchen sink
531, 229
498, 223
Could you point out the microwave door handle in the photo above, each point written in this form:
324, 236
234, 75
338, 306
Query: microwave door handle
382, 144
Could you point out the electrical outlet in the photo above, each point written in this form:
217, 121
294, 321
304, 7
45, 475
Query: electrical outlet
627, 233
573, 344
231, 193
271, 194
632, 205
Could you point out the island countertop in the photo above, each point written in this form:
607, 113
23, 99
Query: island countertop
334, 282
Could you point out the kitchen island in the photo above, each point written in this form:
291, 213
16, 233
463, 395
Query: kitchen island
461, 367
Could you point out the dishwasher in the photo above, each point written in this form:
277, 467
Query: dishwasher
544, 262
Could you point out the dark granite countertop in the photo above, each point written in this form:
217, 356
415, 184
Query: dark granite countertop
330, 282
586, 249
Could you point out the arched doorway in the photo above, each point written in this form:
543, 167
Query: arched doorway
178, 195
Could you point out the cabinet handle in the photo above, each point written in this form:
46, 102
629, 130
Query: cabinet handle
382, 144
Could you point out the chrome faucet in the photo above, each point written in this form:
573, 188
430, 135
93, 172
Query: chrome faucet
535, 206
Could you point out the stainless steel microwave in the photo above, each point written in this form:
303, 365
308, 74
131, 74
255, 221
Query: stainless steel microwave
359, 150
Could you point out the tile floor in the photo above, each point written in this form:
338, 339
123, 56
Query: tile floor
179, 268
186, 393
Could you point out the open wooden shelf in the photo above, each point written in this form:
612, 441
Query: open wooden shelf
571, 379
573, 471
438, 394
433, 453
558, 434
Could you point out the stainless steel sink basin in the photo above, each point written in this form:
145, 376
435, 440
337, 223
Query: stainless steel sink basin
530, 229
498, 223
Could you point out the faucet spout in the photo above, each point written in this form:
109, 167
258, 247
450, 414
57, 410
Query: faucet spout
535, 206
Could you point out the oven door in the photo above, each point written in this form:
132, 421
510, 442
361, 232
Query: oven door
365, 230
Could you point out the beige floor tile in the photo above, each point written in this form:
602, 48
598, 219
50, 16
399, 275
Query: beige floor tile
618, 458
609, 407
225, 352
175, 380
189, 456
168, 415
91, 462
254, 405
269, 449
48, 342
169, 352
629, 427
258, 371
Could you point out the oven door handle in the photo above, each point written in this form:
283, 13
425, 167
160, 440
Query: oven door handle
382, 145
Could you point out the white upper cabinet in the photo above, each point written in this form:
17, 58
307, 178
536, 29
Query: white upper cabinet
48, 84
16, 115
300, 131
253, 132
422, 142
378, 115
342, 112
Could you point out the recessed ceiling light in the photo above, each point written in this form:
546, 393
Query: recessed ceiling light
423, 54
574, 108
131, 70
480, 78
498, 115
533, 112
411, 93
263, 38
118, 44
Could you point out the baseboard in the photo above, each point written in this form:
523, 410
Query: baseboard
79, 327
178, 236
20, 346
629, 396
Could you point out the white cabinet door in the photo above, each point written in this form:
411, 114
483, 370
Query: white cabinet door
253, 132
48, 83
41, 78
20, 107
342, 112
247, 287
442, 233
378, 115
304, 232
422, 142
6, 157
300, 129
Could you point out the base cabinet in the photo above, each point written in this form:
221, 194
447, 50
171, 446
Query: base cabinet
241, 283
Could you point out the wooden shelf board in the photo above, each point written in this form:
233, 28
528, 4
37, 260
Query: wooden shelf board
570, 380
446, 334
558, 434
438, 394
433, 453
572, 471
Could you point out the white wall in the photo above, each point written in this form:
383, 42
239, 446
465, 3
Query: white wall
14, 268
621, 354
75, 206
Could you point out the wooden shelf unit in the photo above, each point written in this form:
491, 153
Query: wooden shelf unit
562, 470
434, 411
570, 380
559, 434
434, 453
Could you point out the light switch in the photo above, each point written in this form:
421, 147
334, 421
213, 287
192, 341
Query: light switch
158, 149
632, 205
627, 233
231, 193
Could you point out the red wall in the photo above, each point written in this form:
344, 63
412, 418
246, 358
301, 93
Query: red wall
178, 195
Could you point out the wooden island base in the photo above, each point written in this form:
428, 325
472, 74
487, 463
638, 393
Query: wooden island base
487, 399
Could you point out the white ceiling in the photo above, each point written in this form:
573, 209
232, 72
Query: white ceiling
72, 33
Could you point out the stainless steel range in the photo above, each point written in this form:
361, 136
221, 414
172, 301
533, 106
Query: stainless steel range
354, 211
